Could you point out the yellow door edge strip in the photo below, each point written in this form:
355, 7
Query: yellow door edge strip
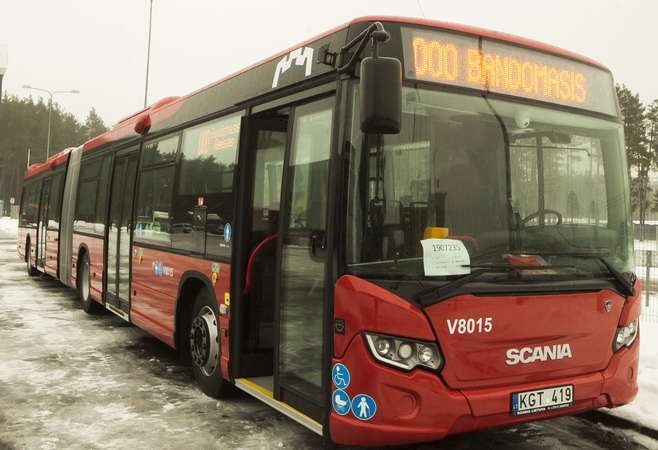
266, 397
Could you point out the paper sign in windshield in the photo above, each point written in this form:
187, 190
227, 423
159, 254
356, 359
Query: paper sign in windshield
442, 257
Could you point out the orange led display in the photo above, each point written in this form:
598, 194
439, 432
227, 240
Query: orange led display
218, 138
507, 69
513, 75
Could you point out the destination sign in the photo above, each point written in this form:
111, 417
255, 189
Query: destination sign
217, 140
493, 66
219, 136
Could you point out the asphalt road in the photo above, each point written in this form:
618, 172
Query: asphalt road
73, 381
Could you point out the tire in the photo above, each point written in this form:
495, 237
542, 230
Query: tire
31, 270
205, 348
89, 305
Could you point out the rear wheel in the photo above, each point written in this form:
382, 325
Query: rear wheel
205, 346
89, 305
31, 270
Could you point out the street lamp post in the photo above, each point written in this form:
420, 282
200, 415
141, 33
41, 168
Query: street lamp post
3, 65
148, 56
50, 108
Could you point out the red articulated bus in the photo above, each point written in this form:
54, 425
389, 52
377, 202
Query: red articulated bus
398, 230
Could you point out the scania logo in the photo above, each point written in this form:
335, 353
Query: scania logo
529, 355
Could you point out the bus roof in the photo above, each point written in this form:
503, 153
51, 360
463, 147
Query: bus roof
230, 92
484, 32
50, 164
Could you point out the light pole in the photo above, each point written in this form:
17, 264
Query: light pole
3, 65
50, 108
148, 56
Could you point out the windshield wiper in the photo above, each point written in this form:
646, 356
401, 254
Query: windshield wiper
444, 291
626, 284
629, 290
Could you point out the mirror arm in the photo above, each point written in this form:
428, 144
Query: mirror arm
375, 31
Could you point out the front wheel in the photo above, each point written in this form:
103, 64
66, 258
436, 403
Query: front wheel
205, 346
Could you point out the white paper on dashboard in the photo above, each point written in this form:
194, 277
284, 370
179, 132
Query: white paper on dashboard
443, 257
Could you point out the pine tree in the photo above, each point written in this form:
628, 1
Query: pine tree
24, 129
640, 159
94, 125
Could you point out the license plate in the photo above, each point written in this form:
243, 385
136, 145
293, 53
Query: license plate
529, 402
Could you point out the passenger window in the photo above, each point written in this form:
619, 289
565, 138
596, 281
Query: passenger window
92, 195
54, 202
153, 218
156, 153
29, 206
207, 168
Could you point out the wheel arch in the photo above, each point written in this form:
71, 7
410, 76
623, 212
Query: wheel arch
190, 284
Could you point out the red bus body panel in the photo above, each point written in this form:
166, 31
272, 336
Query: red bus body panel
473, 389
52, 240
476, 358
94, 247
22, 239
154, 293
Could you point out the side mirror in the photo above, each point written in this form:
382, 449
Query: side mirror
381, 95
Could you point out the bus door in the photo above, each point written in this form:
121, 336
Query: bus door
266, 145
118, 234
302, 258
298, 178
42, 225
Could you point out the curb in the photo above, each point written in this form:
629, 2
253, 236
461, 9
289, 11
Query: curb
614, 421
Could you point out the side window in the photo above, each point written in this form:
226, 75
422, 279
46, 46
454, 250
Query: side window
155, 193
55, 201
29, 205
87, 190
22, 221
207, 168
90, 209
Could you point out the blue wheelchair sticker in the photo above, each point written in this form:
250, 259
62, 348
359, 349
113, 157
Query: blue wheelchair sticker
363, 407
227, 232
341, 376
341, 402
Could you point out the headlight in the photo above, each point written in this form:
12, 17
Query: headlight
404, 353
383, 346
625, 335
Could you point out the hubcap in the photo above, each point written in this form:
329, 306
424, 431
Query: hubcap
204, 341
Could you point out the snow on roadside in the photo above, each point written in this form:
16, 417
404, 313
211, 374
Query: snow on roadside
643, 409
8, 224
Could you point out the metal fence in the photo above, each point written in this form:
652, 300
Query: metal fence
646, 263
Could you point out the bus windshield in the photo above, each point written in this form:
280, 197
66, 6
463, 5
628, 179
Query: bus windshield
513, 184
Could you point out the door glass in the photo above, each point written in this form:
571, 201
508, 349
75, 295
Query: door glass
125, 227
268, 173
113, 226
43, 223
303, 255
118, 237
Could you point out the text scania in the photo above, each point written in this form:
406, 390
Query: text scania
529, 355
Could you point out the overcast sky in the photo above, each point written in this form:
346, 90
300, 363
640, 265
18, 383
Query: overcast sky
99, 47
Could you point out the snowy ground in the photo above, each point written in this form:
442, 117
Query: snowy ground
642, 410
